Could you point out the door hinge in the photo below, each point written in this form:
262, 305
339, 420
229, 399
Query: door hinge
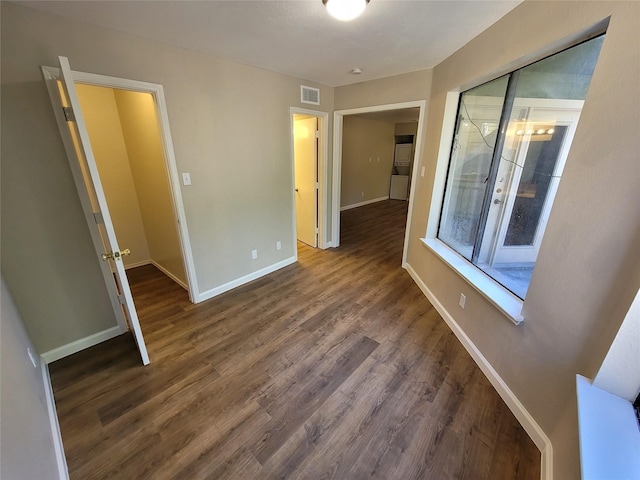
317, 185
68, 114
317, 133
121, 299
317, 230
98, 218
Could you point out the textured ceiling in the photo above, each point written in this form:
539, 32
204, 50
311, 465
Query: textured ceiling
299, 38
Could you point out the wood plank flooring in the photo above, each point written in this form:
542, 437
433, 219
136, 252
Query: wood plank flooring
336, 367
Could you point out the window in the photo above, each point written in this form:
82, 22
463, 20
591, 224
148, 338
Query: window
510, 145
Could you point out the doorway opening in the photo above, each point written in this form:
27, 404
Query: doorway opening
309, 172
376, 155
131, 121
127, 146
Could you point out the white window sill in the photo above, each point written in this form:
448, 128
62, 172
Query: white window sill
609, 435
505, 301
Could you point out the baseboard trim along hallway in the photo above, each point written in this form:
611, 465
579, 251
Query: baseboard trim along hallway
519, 411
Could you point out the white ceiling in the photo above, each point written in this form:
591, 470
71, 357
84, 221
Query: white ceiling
298, 37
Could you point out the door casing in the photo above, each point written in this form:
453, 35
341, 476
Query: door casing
338, 122
322, 160
51, 76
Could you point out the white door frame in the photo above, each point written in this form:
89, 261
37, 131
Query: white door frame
338, 122
323, 149
157, 92
564, 113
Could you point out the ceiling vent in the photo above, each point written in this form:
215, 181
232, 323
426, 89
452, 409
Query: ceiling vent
309, 95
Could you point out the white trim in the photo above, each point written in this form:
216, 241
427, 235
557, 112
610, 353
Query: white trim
505, 301
338, 117
246, 279
170, 275
519, 411
157, 91
336, 181
362, 204
81, 344
63, 471
161, 268
442, 163
608, 434
141, 263
323, 177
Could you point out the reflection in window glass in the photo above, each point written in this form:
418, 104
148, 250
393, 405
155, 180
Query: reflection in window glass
471, 153
510, 146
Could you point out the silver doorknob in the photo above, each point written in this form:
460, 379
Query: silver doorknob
497, 201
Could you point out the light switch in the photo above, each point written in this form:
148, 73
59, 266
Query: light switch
186, 179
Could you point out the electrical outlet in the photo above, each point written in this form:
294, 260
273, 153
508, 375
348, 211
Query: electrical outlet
422, 172
254, 254
362, 194
278, 245
463, 300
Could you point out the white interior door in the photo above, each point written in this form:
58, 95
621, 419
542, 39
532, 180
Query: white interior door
305, 167
95, 192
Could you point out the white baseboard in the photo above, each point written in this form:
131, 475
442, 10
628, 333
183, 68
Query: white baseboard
138, 264
246, 279
519, 411
78, 345
161, 268
63, 471
170, 275
366, 202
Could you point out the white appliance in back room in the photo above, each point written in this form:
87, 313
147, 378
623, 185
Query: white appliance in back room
401, 166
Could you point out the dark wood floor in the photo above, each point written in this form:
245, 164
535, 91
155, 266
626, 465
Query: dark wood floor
335, 367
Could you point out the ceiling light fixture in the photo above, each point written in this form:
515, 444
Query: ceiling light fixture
345, 10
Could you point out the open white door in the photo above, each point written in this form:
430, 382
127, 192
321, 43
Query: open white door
95, 192
305, 155
524, 205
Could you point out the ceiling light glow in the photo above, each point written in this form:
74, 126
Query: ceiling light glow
345, 10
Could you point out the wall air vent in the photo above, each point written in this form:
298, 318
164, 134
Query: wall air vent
309, 95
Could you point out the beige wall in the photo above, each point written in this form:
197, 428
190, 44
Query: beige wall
587, 271
27, 448
101, 114
47, 254
367, 159
400, 88
146, 156
241, 197
407, 128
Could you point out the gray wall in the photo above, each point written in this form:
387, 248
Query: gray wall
230, 128
26, 441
